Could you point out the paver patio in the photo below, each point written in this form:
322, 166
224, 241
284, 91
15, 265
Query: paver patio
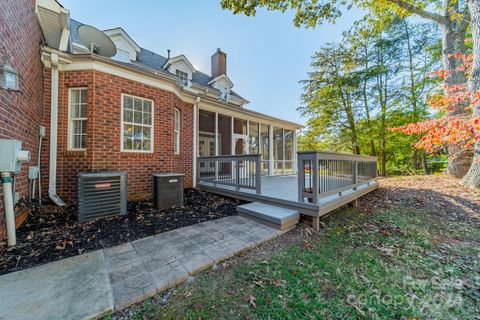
96, 283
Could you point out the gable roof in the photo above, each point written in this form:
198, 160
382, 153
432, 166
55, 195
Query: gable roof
120, 31
152, 61
179, 58
222, 76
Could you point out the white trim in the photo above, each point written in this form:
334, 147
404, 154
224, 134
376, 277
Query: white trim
123, 34
271, 166
152, 126
232, 130
70, 134
152, 80
222, 76
195, 142
179, 58
177, 139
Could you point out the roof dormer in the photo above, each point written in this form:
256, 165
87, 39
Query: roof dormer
182, 68
127, 49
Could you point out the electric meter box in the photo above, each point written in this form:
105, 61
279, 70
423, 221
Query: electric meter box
11, 155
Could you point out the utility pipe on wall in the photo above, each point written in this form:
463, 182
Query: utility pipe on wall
52, 177
8, 208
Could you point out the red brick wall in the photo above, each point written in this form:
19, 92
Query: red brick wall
21, 111
103, 134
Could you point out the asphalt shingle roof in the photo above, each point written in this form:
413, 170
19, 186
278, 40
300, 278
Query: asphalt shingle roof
150, 60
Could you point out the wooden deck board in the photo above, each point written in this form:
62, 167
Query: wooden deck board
282, 191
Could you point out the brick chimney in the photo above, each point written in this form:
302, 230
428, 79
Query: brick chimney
219, 63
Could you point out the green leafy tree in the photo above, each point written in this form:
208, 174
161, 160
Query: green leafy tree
451, 16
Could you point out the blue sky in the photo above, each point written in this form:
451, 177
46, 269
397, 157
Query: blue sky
266, 54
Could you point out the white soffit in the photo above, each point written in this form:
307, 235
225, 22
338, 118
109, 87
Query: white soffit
54, 21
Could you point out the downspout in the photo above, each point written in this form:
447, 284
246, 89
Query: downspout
52, 178
8, 208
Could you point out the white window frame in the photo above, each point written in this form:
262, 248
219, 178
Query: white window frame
71, 134
152, 127
176, 131
182, 75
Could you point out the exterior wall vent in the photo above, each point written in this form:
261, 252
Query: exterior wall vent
101, 195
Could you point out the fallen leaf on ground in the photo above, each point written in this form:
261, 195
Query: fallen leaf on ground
252, 301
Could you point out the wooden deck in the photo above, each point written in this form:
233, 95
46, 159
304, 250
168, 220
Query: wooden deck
283, 191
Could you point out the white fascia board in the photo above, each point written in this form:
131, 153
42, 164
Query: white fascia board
51, 5
179, 58
250, 115
121, 32
222, 76
168, 83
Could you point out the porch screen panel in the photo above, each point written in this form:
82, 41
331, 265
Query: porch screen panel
288, 138
206, 134
206, 142
265, 139
224, 146
224, 135
278, 149
254, 143
240, 126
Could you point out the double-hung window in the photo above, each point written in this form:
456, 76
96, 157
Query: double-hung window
77, 119
182, 78
137, 124
176, 132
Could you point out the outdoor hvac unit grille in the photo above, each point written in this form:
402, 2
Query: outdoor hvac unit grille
167, 190
101, 195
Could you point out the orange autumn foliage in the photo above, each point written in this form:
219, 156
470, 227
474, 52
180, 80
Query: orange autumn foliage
463, 130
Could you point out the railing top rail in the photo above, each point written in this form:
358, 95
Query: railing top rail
230, 157
338, 155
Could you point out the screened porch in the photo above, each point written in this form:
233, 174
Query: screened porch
224, 135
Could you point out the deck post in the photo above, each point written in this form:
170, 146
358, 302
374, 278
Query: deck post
314, 173
316, 224
301, 177
237, 175
258, 175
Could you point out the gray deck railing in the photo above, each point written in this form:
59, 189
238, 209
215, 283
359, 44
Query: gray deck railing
322, 174
237, 171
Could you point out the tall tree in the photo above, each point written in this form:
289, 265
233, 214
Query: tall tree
472, 178
329, 93
452, 16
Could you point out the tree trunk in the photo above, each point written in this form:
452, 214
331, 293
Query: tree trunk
413, 92
425, 164
453, 40
365, 101
472, 178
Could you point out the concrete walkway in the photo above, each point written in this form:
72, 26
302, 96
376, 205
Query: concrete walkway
96, 283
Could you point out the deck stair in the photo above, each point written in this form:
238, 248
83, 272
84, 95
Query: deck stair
272, 216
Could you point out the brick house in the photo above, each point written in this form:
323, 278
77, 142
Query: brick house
137, 111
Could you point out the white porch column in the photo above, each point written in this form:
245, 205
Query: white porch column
232, 137
247, 143
216, 133
195, 142
216, 145
270, 150
295, 151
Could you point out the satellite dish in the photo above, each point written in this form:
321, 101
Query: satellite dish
97, 41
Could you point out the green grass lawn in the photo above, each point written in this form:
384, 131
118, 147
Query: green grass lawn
401, 263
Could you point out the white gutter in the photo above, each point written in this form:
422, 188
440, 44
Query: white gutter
52, 175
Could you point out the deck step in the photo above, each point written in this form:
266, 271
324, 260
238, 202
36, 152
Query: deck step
272, 216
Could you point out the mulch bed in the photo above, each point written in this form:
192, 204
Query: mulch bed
53, 233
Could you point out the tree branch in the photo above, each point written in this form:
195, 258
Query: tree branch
419, 11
